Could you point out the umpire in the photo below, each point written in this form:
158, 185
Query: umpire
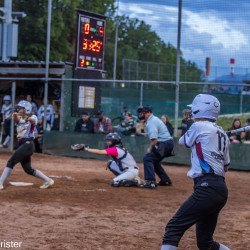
161, 145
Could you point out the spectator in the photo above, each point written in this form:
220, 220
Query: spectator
6, 119
50, 114
236, 138
186, 122
34, 106
102, 124
85, 124
247, 134
165, 120
141, 128
39, 136
127, 127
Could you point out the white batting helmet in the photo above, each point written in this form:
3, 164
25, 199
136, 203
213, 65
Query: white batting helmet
26, 105
7, 98
205, 106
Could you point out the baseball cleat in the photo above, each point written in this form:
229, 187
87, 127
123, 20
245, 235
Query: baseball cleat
149, 185
1, 187
164, 183
47, 184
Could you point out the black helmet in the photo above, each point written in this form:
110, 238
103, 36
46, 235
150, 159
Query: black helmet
141, 110
114, 138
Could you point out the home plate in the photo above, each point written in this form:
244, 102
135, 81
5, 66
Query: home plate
20, 184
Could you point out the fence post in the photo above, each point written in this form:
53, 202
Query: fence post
177, 71
141, 94
241, 100
13, 97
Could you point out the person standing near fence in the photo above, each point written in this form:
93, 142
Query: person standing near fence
161, 146
6, 119
25, 134
210, 160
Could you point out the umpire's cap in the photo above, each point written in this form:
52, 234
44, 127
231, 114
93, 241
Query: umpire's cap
147, 109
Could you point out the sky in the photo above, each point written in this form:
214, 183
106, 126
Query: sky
210, 28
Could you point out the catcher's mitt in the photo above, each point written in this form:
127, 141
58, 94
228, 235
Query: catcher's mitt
78, 147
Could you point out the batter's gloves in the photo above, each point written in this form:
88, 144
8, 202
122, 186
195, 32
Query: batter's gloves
79, 147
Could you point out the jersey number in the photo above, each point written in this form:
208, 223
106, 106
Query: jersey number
221, 139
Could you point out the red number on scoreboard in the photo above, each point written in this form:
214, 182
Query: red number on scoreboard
86, 28
85, 44
101, 30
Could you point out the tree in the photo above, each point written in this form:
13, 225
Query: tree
136, 39
33, 28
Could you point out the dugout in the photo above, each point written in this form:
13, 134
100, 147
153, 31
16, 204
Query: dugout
29, 69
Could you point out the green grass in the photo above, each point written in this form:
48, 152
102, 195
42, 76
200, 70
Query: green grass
224, 122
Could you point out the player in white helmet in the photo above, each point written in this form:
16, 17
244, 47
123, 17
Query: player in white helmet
25, 124
210, 160
6, 119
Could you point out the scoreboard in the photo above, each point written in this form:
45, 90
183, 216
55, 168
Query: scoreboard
90, 41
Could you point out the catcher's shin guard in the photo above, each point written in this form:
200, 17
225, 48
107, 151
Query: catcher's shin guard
111, 169
124, 183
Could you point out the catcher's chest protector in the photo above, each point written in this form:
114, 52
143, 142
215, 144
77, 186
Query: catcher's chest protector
124, 159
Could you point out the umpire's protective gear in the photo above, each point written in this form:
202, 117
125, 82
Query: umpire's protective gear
141, 110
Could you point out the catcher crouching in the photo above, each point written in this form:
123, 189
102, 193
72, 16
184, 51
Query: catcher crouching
123, 165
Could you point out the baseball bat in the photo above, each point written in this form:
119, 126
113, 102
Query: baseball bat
244, 129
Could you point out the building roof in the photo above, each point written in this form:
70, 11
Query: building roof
31, 69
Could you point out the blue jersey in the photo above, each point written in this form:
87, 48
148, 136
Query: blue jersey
6, 111
50, 114
156, 129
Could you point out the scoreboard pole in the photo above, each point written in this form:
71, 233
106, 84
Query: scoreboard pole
89, 62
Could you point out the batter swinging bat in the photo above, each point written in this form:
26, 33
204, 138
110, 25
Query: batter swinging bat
244, 129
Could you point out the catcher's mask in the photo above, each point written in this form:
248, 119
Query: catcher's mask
112, 139
142, 110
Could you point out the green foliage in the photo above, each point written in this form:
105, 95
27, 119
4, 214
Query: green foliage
136, 39
226, 122
33, 28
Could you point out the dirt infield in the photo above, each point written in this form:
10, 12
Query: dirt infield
82, 211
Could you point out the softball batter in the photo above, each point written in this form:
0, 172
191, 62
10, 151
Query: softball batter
210, 160
25, 134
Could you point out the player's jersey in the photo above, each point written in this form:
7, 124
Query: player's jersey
26, 129
210, 148
49, 114
119, 154
6, 111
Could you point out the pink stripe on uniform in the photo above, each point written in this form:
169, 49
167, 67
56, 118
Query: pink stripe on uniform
112, 151
199, 152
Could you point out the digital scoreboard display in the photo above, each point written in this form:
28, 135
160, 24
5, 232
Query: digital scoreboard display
90, 41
